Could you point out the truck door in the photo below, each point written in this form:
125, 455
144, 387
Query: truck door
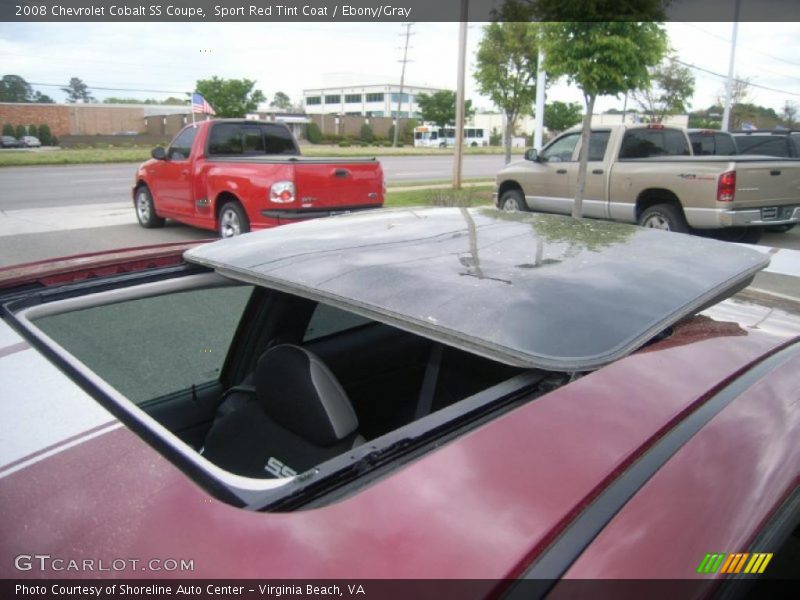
595, 194
173, 183
546, 184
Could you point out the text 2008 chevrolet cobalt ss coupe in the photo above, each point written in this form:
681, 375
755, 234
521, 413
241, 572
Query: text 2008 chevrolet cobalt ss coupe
434, 393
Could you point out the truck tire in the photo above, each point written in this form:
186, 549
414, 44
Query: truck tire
512, 201
232, 220
146, 209
664, 216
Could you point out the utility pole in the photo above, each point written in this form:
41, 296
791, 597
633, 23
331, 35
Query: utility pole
405, 60
462, 64
726, 112
541, 81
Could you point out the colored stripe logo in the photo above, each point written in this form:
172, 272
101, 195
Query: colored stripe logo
729, 564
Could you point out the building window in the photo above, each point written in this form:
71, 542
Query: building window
401, 97
353, 114
375, 98
334, 99
374, 113
313, 100
352, 98
403, 114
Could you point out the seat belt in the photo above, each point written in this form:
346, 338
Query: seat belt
426, 392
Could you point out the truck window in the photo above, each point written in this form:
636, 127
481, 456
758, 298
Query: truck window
771, 145
181, 146
232, 139
644, 143
561, 150
598, 141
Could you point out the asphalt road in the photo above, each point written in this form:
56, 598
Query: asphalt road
37, 219
71, 185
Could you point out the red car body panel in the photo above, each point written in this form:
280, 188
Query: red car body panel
193, 190
740, 488
482, 506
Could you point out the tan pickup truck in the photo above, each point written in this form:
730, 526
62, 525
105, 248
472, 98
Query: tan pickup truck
646, 174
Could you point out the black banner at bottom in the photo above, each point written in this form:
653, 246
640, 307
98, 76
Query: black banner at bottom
391, 589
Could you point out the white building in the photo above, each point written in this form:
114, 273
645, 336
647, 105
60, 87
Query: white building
365, 100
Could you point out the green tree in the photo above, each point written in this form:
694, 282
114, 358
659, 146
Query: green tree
20, 131
559, 116
42, 98
366, 134
8, 129
313, 133
77, 91
176, 101
34, 131
14, 88
601, 57
506, 66
281, 101
440, 108
44, 135
789, 114
230, 97
672, 88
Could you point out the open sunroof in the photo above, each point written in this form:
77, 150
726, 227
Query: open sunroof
530, 290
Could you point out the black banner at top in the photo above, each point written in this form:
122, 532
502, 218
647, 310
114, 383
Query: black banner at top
390, 10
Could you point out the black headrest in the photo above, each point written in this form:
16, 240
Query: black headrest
301, 394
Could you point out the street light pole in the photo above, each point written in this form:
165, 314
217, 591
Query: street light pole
726, 113
462, 55
541, 81
402, 83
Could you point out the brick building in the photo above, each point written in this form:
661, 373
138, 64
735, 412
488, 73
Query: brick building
91, 119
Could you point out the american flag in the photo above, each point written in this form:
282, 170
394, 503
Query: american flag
199, 105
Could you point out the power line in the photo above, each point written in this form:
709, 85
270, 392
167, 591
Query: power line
110, 89
750, 83
724, 39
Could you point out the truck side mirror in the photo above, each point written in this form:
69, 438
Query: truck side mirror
532, 155
159, 153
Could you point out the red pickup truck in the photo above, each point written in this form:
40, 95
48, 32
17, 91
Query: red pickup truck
234, 176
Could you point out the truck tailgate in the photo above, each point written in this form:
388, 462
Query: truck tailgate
345, 184
767, 183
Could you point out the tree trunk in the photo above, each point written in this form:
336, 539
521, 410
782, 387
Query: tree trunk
583, 159
507, 139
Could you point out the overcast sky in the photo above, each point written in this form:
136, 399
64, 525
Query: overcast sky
170, 57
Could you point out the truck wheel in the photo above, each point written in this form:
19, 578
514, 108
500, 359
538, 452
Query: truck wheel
232, 220
664, 216
512, 201
146, 209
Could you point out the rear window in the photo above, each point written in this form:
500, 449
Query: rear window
709, 144
771, 145
232, 139
645, 143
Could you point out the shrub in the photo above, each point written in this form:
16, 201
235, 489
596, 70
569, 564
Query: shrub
44, 135
34, 131
313, 133
20, 131
366, 133
344, 144
54, 141
495, 138
8, 129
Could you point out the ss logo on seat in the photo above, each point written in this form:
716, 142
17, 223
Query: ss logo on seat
277, 468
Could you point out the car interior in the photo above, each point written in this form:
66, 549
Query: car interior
302, 381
